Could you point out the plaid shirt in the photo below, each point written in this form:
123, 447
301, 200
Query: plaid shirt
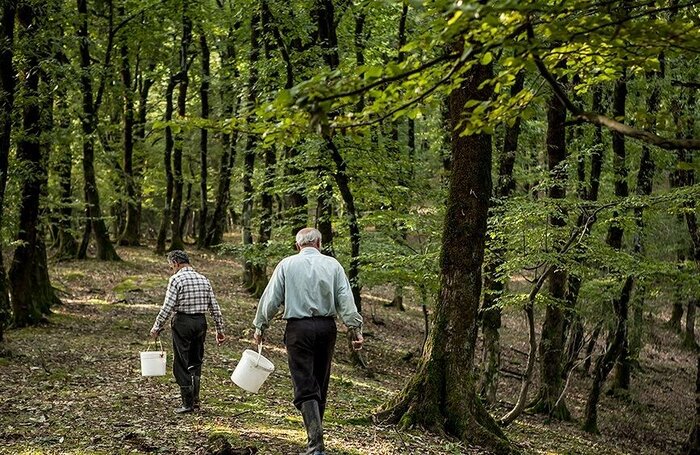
189, 292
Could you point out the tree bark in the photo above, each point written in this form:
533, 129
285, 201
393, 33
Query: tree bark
441, 396
494, 283
7, 97
645, 180
203, 142
324, 15
32, 294
89, 119
617, 348
167, 161
145, 82
343, 182
249, 154
552, 339
130, 234
215, 232
692, 445
176, 242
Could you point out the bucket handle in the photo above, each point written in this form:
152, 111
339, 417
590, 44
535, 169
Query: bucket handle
257, 362
156, 344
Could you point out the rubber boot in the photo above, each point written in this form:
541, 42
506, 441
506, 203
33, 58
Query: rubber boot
196, 382
187, 394
314, 427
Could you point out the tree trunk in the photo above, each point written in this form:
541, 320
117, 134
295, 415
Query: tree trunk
645, 180
130, 234
441, 396
176, 242
617, 348
324, 14
7, 97
66, 245
249, 155
574, 329
689, 336
167, 161
133, 219
343, 182
215, 232
203, 142
676, 316
494, 283
32, 294
89, 119
552, 339
692, 446
605, 362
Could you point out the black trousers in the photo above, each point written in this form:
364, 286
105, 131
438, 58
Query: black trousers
189, 333
310, 343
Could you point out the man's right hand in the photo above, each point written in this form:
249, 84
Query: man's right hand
357, 342
258, 337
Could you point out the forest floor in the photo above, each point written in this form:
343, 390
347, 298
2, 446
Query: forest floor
73, 385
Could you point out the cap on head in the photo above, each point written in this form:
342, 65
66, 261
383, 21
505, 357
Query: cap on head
308, 237
178, 257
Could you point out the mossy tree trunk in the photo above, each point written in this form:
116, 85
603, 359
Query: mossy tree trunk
32, 294
442, 396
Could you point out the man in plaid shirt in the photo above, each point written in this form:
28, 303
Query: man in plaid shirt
189, 296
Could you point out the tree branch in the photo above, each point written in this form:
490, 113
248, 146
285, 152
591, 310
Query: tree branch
607, 122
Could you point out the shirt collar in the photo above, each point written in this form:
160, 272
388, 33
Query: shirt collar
309, 250
187, 267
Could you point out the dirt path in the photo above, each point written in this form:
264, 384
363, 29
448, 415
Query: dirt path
74, 385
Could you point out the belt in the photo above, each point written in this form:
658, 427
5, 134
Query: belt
189, 314
321, 318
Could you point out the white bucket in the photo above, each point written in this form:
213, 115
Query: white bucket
252, 370
153, 362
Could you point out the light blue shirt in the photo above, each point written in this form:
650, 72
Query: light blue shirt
308, 284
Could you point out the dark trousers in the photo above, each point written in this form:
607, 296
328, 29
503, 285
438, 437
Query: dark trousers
189, 332
310, 343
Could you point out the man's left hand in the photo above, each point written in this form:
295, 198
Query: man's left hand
155, 333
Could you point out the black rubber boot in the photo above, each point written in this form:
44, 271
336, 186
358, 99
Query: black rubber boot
187, 394
196, 381
314, 427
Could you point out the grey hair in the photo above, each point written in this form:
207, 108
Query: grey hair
178, 257
308, 236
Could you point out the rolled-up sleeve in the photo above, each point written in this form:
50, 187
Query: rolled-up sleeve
271, 300
345, 302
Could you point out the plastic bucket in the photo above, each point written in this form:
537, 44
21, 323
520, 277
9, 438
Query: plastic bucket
153, 362
252, 370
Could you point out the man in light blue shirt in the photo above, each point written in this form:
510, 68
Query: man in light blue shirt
313, 289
